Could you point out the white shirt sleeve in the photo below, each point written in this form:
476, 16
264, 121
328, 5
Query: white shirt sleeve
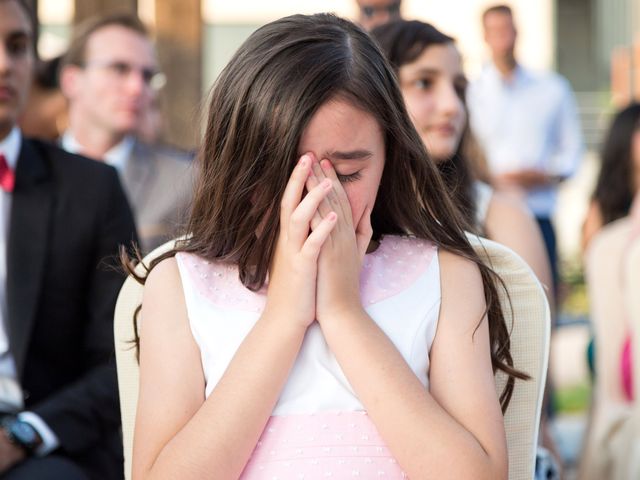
49, 439
569, 147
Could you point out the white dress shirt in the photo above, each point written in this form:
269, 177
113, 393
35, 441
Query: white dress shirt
117, 156
10, 148
528, 121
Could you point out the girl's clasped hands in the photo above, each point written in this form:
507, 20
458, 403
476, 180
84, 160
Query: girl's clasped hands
319, 250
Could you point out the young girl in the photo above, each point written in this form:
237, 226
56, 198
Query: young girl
311, 324
433, 84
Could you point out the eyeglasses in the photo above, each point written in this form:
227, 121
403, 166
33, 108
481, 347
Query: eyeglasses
153, 78
393, 10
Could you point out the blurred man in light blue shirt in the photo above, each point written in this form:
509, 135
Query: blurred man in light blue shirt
526, 122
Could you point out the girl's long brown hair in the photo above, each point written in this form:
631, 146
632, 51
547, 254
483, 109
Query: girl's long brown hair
261, 105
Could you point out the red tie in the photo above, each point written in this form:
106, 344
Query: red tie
7, 177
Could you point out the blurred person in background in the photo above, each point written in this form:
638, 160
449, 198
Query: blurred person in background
432, 81
45, 115
151, 129
616, 197
61, 217
110, 75
372, 13
527, 124
619, 177
433, 84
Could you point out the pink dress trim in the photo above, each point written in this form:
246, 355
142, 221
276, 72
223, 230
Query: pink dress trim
402, 259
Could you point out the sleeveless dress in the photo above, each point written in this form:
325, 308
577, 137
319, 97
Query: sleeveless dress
319, 429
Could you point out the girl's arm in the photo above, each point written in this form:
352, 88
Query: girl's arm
455, 430
511, 224
179, 434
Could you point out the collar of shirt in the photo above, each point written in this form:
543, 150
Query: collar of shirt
517, 79
10, 147
117, 156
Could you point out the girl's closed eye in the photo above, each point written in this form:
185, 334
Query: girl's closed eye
352, 177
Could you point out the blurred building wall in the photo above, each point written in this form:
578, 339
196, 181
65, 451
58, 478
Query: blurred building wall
228, 23
178, 27
84, 9
576, 37
594, 51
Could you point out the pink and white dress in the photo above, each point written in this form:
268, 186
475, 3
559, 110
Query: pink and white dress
319, 429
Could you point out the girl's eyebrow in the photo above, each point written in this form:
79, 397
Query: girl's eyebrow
350, 155
426, 71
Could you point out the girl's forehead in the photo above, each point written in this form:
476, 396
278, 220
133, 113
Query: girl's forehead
437, 53
340, 126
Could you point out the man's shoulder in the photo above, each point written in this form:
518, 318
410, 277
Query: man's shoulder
64, 161
164, 154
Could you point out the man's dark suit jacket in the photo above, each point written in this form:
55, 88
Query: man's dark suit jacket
68, 217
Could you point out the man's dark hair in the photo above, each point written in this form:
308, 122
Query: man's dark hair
27, 8
78, 46
503, 9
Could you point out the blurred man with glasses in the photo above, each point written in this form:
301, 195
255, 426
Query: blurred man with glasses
111, 78
376, 12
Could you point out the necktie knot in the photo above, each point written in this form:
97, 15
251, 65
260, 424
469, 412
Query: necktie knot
7, 177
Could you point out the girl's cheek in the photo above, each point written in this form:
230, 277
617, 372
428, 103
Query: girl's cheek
354, 202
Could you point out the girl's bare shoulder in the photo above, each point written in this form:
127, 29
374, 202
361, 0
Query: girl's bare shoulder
460, 279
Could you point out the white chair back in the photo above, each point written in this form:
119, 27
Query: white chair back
529, 321
129, 299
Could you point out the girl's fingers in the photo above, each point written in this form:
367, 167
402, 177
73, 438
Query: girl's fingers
319, 235
339, 200
295, 186
300, 219
318, 175
312, 182
364, 231
315, 221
